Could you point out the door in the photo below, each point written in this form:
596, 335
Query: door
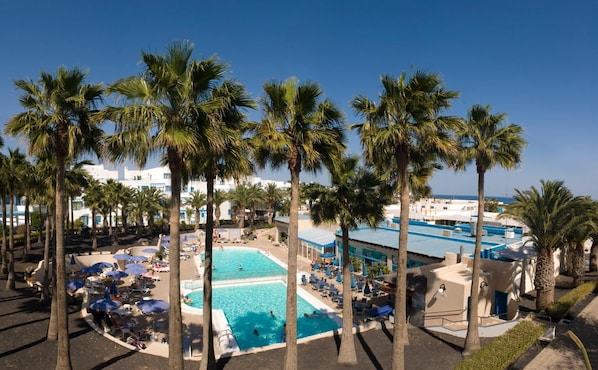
501, 301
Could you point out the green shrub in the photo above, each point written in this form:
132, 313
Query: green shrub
504, 349
560, 308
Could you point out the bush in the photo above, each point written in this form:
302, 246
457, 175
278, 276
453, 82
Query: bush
560, 308
504, 349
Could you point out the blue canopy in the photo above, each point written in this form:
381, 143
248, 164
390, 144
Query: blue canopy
153, 306
339, 277
327, 255
380, 311
353, 284
117, 274
150, 250
121, 257
328, 273
73, 285
113, 289
91, 270
366, 289
139, 258
103, 265
73, 262
364, 270
104, 304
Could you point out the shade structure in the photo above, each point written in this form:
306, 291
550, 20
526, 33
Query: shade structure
351, 267
103, 265
328, 270
150, 250
139, 258
353, 284
73, 285
117, 274
113, 289
316, 266
166, 237
104, 304
91, 270
135, 270
73, 262
366, 289
339, 277
335, 262
121, 257
327, 255
134, 265
153, 306
165, 244
364, 270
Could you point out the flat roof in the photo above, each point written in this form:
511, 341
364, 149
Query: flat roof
427, 240
319, 237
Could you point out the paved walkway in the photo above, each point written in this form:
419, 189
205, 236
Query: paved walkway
562, 352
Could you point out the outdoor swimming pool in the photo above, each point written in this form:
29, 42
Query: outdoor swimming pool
228, 259
247, 308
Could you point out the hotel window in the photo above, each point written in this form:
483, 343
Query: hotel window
167, 175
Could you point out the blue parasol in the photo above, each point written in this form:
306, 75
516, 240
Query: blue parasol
121, 257
103, 265
73, 285
135, 270
113, 289
73, 262
165, 244
327, 255
166, 238
316, 266
117, 274
91, 270
339, 277
150, 250
328, 273
352, 268
353, 284
335, 262
104, 304
364, 270
366, 289
153, 306
139, 258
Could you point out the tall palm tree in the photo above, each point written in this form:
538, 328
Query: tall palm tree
57, 120
300, 131
404, 122
575, 239
15, 167
549, 213
111, 189
256, 197
272, 196
240, 196
196, 201
355, 197
157, 116
220, 196
486, 142
224, 155
124, 198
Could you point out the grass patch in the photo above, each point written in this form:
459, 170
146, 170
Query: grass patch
560, 308
505, 349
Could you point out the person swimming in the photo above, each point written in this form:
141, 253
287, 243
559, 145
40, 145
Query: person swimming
255, 332
272, 314
240, 267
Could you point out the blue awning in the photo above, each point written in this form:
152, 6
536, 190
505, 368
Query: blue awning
319, 237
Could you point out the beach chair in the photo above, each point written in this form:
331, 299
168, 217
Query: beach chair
124, 328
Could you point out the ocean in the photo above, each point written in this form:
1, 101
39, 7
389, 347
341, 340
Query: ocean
504, 200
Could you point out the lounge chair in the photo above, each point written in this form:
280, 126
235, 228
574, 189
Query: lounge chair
124, 328
380, 311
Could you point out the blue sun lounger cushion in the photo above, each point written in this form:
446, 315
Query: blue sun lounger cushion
380, 311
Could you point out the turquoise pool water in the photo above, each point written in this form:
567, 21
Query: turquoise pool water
247, 307
254, 263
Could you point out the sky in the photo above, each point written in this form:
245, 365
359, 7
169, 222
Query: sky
536, 61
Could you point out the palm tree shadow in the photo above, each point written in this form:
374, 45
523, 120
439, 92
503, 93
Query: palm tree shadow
367, 349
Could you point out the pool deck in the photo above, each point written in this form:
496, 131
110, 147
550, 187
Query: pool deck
193, 322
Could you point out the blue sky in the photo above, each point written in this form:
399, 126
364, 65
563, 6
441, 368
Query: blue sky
535, 60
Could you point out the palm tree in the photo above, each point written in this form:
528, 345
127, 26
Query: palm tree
220, 196
196, 201
300, 132
4, 184
58, 120
487, 142
15, 167
158, 117
354, 198
256, 197
240, 196
273, 195
404, 122
549, 213
576, 237
111, 190
93, 199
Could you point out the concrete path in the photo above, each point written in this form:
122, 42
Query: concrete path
562, 352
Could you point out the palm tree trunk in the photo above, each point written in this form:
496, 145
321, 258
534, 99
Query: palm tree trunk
4, 268
346, 353
94, 232
53, 322
196, 220
472, 340
544, 277
64, 357
594, 255
175, 319
400, 330
293, 241
39, 235
10, 279
46, 283
579, 267
27, 249
208, 357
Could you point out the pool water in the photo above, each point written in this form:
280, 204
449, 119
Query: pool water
247, 308
226, 263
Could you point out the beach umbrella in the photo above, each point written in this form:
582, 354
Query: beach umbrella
335, 262
353, 284
328, 270
327, 255
73, 262
102, 265
91, 270
135, 270
121, 257
113, 289
139, 258
352, 268
165, 244
153, 306
316, 266
116, 274
380, 273
364, 270
104, 304
150, 250
134, 265
366, 289
73, 285
166, 238
339, 277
